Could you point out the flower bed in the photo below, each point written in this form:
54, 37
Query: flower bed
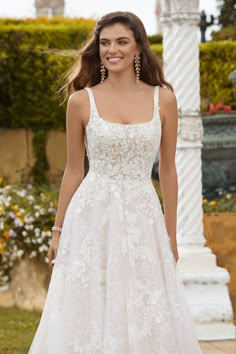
222, 202
26, 217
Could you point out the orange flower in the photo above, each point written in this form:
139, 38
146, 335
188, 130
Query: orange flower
212, 203
1, 248
6, 234
204, 201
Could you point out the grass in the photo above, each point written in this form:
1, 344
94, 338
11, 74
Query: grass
17, 329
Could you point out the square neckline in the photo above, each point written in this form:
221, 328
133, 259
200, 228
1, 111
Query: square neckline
155, 103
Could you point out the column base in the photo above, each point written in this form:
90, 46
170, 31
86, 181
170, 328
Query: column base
207, 293
215, 331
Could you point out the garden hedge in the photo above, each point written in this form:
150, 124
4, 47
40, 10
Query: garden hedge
225, 34
29, 69
217, 61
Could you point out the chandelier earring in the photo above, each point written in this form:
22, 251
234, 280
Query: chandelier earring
137, 67
103, 73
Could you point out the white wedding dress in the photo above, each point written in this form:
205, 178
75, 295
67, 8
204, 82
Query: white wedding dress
115, 287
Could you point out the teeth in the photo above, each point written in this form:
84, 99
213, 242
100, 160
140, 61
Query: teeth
114, 59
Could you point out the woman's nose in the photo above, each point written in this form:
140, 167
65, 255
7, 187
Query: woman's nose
112, 47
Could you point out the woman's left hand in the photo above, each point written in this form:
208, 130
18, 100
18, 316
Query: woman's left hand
176, 255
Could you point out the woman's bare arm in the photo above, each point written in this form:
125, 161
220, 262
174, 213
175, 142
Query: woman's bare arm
74, 170
167, 168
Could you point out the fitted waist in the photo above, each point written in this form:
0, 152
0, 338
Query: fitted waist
121, 171
119, 177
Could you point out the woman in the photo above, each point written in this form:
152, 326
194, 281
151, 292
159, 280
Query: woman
114, 287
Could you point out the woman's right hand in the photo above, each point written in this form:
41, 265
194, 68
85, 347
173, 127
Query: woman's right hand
52, 252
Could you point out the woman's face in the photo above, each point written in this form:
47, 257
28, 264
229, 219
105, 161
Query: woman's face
117, 47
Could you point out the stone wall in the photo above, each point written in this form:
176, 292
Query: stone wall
17, 158
16, 153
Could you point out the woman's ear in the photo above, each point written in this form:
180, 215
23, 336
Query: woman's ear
138, 49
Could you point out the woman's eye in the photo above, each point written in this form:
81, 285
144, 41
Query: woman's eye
104, 43
122, 42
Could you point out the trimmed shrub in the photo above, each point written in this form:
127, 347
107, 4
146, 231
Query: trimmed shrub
155, 39
57, 20
227, 33
217, 61
29, 69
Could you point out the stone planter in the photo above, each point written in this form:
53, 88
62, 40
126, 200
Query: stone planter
219, 151
28, 287
220, 233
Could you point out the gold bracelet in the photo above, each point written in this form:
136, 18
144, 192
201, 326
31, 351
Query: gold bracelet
57, 228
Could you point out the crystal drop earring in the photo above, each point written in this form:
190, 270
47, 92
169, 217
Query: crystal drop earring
137, 67
103, 73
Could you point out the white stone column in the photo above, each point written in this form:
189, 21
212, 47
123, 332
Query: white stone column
205, 283
158, 13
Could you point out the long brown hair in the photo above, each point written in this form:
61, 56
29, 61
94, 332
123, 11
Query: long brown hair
86, 70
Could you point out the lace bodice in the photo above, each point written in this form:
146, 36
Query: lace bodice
122, 151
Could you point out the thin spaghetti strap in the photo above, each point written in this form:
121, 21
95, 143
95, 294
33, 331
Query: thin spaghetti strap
91, 100
93, 106
156, 97
156, 102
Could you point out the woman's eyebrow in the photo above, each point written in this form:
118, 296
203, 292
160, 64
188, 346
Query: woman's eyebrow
106, 39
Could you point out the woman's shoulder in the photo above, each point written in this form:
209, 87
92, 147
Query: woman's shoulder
79, 103
77, 97
166, 96
168, 104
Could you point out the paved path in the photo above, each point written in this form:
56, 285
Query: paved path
219, 347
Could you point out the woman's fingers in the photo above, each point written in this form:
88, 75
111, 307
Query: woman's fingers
52, 253
50, 257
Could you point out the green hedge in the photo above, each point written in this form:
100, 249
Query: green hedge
47, 21
29, 69
217, 61
155, 39
227, 33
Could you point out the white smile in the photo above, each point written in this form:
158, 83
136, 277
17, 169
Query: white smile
114, 59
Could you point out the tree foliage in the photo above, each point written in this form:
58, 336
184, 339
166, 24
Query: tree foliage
227, 15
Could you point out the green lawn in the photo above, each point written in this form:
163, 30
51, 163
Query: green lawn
17, 329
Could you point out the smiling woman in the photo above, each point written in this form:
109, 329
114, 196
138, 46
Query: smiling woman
129, 38
115, 286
